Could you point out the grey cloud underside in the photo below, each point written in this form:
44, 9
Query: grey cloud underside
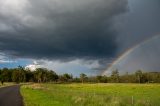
58, 29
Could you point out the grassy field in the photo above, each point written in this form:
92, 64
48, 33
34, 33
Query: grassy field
91, 94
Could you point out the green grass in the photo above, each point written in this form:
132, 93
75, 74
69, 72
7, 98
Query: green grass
91, 94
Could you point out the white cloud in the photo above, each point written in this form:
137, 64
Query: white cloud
32, 67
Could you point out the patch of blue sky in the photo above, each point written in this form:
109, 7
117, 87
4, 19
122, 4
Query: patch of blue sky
15, 63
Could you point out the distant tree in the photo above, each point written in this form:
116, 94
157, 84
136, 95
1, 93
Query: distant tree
52, 76
67, 77
92, 79
22, 74
16, 76
45, 75
38, 75
99, 78
104, 79
1, 77
76, 79
124, 78
61, 78
83, 77
139, 75
29, 75
115, 76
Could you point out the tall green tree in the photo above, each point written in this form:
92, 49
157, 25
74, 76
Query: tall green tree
6, 75
19, 74
16, 76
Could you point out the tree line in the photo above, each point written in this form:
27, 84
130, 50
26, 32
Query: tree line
42, 75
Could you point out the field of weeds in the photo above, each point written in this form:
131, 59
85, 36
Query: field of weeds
91, 94
7, 84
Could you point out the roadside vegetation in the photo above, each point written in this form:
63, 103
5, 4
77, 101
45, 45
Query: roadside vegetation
7, 84
91, 94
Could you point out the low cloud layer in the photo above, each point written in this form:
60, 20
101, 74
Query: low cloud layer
59, 29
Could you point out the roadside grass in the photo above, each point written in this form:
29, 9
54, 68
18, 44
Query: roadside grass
7, 84
91, 94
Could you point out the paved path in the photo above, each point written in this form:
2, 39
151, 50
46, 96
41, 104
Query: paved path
10, 96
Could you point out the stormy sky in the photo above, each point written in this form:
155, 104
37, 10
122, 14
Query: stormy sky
75, 35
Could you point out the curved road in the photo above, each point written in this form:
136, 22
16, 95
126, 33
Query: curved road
10, 96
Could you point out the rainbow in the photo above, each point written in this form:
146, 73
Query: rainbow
126, 53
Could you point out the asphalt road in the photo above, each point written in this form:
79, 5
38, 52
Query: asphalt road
10, 96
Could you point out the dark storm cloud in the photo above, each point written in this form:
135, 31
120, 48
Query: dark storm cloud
56, 29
